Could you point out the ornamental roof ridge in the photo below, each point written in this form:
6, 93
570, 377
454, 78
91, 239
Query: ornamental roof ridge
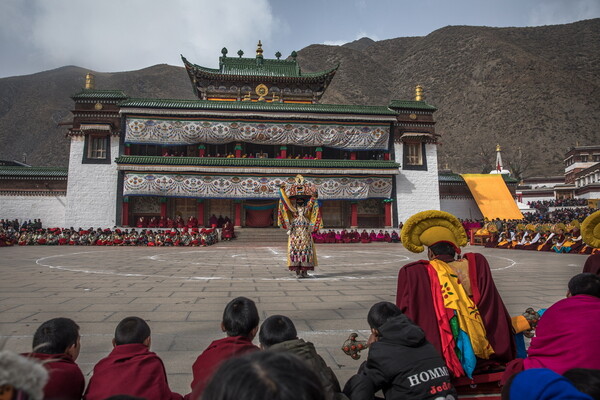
257, 162
412, 104
231, 66
33, 171
99, 94
256, 106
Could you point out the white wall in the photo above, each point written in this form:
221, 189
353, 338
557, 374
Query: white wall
461, 208
92, 188
417, 190
50, 209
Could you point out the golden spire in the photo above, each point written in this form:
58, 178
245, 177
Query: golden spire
259, 50
498, 147
419, 93
90, 82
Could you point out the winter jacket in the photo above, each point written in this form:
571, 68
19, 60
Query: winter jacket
307, 352
403, 364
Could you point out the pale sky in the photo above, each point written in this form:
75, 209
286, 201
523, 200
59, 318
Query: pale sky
121, 35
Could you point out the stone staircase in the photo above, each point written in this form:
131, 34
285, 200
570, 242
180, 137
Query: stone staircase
265, 236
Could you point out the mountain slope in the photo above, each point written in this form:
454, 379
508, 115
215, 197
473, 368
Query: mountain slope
536, 91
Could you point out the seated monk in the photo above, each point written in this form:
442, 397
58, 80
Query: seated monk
346, 237
395, 237
170, 223
380, 236
56, 343
131, 368
355, 236
567, 333
338, 237
364, 237
162, 222
228, 231
153, 223
213, 221
439, 293
387, 238
373, 236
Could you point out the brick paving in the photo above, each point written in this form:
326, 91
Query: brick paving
181, 292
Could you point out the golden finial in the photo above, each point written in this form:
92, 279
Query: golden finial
90, 82
498, 147
419, 93
259, 50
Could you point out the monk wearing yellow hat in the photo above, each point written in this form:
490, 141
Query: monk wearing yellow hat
454, 300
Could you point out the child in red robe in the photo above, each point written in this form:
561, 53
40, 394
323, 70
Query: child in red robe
56, 343
240, 322
131, 368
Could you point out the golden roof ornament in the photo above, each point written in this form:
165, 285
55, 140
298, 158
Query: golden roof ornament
419, 93
498, 147
259, 50
90, 81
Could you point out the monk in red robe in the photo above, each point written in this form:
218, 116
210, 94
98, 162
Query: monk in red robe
131, 368
364, 237
421, 294
56, 343
240, 322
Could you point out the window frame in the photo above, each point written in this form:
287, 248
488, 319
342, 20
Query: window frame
87, 150
406, 157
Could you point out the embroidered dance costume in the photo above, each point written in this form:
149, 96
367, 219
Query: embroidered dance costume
301, 220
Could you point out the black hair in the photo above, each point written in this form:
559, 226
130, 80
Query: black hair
381, 312
443, 248
586, 283
585, 380
240, 317
132, 330
264, 375
276, 329
55, 336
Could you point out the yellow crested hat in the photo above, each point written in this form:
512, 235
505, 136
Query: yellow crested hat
430, 227
590, 230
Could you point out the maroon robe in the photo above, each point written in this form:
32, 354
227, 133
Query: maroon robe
592, 264
65, 379
130, 369
208, 362
415, 300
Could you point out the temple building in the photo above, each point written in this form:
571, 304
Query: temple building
256, 124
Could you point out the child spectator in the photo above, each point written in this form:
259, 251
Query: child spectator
401, 362
264, 375
131, 368
57, 343
240, 323
278, 333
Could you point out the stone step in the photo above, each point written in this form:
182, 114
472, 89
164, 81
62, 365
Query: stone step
261, 235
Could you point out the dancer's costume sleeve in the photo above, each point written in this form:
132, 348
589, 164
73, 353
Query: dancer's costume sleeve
285, 210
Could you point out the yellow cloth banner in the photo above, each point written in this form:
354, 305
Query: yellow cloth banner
492, 196
455, 298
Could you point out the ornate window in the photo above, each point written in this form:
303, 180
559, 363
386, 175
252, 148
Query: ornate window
96, 149
414, 156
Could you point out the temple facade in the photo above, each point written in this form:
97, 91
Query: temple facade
256, 124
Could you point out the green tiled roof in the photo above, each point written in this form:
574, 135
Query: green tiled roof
258, 67
411, 104
256, 106
99, 94
255, 162
34, 171
457, 178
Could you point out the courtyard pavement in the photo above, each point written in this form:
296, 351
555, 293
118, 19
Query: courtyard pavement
181, 292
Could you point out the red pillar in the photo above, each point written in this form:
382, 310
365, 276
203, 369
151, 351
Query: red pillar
283, 152
353, 215
201, 150
386, 156
127, 149
353, 155
163, 207
238, 215
125, 212
388, 214
319, 153
200, 212
238, 150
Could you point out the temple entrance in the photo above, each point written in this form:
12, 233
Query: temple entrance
220, 208
371, 213
334, 213
184, 207
260, 213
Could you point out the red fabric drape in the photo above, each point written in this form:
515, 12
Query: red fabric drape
259, 218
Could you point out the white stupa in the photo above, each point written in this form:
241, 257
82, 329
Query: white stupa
499, 167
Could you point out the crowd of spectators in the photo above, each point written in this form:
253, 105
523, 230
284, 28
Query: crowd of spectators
544, 205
